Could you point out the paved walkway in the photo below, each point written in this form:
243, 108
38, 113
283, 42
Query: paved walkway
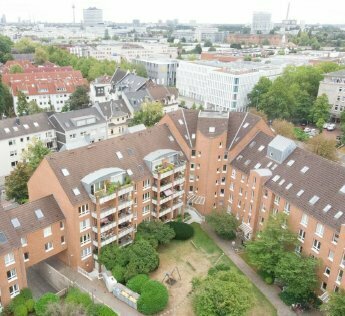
271, 292
95, 288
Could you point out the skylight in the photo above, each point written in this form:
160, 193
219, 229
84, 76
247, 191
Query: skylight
290, 162
269, 164
36, 124
247, 162
26, 126
180, 121
252, 144
76, 191
342, 189
15, 128
239, 157
327, 208
193, 136
274, 167
119, 155
130, 172
39, 214
300, 192
15, 222
257, 166
261, 148
7, 130
282, 182
246, 125
304, 169
3, 238
276, 178
65, 172
338, 215
288, 186
211, 129
314, 199
171, 138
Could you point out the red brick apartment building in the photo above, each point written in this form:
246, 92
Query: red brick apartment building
86, 198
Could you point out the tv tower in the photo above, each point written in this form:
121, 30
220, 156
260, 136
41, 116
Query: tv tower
73, 8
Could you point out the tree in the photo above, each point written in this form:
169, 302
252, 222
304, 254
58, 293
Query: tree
136, 283
45, 300
222, 293
5, 48
271, 244
224, 224
106, 36
183, 231
298, 275
16, 69
321, 111
6, 101
258, 113
33, 108
212, 49
100, 310
284, 128
323, 147
261, 88
79, 99
208, 43
149, 114
25, 46
197, 49
22, 104
16, 183
155, 232
336, 304
41, 56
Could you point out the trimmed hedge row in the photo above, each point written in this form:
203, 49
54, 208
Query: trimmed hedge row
136, 283
182, 230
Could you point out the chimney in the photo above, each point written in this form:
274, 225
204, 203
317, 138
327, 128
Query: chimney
17, 120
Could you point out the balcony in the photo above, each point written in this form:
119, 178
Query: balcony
162, 187
106, 239
105, 212
164, 200
127, 188
179, 180
178, 205
162, 212
167, 169
111, 191
125, 218
178, 193
124, 204
125, 231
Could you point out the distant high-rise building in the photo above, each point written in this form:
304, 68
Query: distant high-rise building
3, 19
136, 22
93, 16
261, 23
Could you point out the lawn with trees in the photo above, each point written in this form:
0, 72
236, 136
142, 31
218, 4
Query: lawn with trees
149, 114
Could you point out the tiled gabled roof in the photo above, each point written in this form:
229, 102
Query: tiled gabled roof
9, 239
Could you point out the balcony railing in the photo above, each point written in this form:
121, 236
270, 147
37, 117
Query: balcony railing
105, 212
162, 212
178, 205
178, 193
168, 169
112, 191
125, 231
124, 203
105, 227
125, 242
125, 218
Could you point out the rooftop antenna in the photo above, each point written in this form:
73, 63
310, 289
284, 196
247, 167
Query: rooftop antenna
73, 8
288, 11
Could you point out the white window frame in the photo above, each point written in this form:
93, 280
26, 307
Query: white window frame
50, 246
15, 290
9, 259
319, 230
304, 220
47, 231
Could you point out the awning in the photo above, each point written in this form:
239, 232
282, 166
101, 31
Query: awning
168, 192
245, 228
196, 199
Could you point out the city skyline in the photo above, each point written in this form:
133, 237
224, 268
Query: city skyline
307, 10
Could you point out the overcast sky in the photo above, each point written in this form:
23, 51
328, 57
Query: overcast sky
203, 11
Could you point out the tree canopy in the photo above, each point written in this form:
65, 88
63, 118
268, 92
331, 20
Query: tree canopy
320, 112
6, 101
149, 114
224, 224
336, 304
16, 69
79, 99
5, 48
323, 147
156, 232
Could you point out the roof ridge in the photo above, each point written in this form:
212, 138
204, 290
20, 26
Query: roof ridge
238, 130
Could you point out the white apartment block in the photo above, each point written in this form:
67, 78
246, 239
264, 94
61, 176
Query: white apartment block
93, 16
261, 23
221, 86
17, 133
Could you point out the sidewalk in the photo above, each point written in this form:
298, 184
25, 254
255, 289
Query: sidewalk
271, 292
96, 288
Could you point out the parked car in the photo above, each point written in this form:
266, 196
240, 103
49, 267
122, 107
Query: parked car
331, 127
325, 125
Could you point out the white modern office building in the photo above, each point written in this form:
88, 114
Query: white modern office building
221, 86
93, 16
261, 23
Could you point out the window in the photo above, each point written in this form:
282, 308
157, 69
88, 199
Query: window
239, 203
319, 230
335, 238
146, 184
83, 209
301, 235
243, 177
26, 256
323, 286
221, 192
146, 209
192, 166
331, 255
62, 225
342, 262
304, 220
85, 224
225, 156
23, 241
232, 186
277, 199
146, 196
340, 276
193, 153
316, 245
48, 246
11, 275
252, 195
47, 231
62, 239
287, 208
84, 239
327, 271
224, 168
11, 142
9, 259
231, 198
86, 252
298, 249
14, 290
223, 180
233, 173
240, 192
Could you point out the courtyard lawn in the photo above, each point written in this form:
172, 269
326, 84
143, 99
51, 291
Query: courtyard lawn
193, 258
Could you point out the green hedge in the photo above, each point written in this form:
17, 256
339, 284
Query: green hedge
77, 297
119, 273
30, 305
136, 283
42, 304
20, 300
20, 310
182, 230
100, 310
153, 299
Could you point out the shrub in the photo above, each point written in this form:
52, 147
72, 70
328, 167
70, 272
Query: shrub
20, 310
182, 230
224, 224
153, 299
119, 273
75, 296
30, 305
268, 280
219, 267
42, 304
100, 310
24, 295
155, 232
136, 283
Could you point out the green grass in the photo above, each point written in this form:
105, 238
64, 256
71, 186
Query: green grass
261, 306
